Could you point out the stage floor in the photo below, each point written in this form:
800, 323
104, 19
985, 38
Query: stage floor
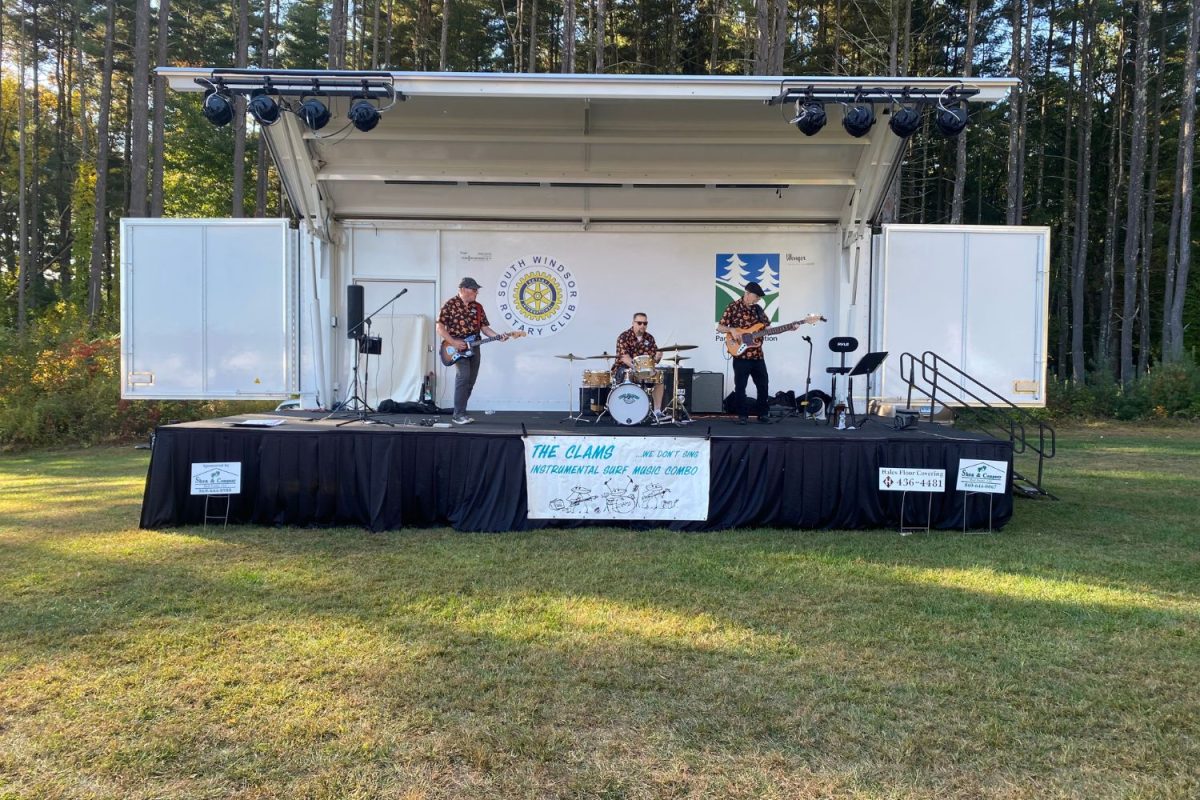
313, 469
554, 423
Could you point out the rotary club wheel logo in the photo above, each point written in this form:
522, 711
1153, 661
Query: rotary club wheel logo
538, 294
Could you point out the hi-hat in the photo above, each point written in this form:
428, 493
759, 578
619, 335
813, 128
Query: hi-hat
673, 359
673, 347
573, 357
605, 354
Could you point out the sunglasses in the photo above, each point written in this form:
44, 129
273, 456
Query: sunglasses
640, 322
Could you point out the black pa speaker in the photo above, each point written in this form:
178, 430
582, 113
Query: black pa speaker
354, 311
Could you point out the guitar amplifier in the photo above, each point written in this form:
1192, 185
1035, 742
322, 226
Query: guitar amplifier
708, 392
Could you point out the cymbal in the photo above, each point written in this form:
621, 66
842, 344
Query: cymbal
673, 347
605, 354
673, 359
573, 357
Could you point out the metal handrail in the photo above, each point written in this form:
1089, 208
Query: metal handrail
942, 376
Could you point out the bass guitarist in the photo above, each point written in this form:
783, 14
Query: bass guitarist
462, 316
744, 313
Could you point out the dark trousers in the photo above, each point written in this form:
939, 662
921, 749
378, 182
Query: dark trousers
466, 371
743, 370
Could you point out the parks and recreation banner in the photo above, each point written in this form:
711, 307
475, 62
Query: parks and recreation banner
617, 477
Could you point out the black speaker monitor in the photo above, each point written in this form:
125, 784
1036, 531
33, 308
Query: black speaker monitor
354, 311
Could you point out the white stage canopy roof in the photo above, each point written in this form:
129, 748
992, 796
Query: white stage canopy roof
582, 148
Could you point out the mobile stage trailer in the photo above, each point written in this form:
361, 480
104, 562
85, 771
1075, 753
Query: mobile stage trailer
576, 201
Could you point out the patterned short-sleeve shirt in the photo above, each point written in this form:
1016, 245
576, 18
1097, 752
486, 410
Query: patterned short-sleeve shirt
461, 318
628, 345
740, 314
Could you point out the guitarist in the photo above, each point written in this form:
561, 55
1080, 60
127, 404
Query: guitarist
742, 313
462, 316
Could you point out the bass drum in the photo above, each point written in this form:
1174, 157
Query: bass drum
628, 404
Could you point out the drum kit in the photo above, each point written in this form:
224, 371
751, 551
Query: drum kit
625, 395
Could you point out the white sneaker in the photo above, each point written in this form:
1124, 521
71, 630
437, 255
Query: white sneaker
462, 419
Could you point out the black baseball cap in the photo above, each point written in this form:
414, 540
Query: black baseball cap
469, 283
754, 288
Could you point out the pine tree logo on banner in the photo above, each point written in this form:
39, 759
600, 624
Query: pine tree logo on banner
735, 270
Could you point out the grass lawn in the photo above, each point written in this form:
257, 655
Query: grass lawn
1059, 658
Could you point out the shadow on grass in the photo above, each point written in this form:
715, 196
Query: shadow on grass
575, 653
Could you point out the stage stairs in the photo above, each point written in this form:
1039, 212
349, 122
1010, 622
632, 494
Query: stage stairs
981, 408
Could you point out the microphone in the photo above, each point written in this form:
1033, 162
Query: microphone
805, 338
402, 293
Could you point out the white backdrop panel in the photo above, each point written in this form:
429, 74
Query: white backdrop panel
669, 275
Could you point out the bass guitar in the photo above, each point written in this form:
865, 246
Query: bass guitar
450, 354
739, 340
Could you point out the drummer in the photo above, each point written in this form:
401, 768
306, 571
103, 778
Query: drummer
635, 342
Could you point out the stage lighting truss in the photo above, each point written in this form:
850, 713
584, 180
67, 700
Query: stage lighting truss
269, 92
948, 106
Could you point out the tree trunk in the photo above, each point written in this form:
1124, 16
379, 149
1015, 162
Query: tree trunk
337, 35
240, 58
33, 274
1149, 207
443, 44
99, 226
714, 51
1083, 192
779, 44
375, 35
160, 112
1182, 228
1023, 128
260, 168
1135, 192
63, 81
1013, 215
22, 216
1064, 238
762, 36
139, 108
533, 38
960, 163
1116, 165
601, 19
1043, 100
568, 36
84, 147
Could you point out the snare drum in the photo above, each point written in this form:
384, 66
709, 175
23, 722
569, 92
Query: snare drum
645, 370
597, 378
628, 404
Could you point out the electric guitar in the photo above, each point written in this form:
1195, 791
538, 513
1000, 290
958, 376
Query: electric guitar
450, 354
739, 340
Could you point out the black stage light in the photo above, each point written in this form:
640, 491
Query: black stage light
314, 113
364, 115
951, 121
858, 120
264, 108
904, 122
810, 117
217, 108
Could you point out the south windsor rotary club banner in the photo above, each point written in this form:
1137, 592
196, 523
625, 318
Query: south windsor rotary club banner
617, 477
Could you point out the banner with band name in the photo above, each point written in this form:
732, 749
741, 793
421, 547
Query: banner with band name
617, 477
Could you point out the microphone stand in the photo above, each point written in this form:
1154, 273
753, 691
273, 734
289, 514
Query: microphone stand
808, 380
361, 407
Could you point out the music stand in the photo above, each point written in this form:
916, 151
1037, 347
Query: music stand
865, 366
